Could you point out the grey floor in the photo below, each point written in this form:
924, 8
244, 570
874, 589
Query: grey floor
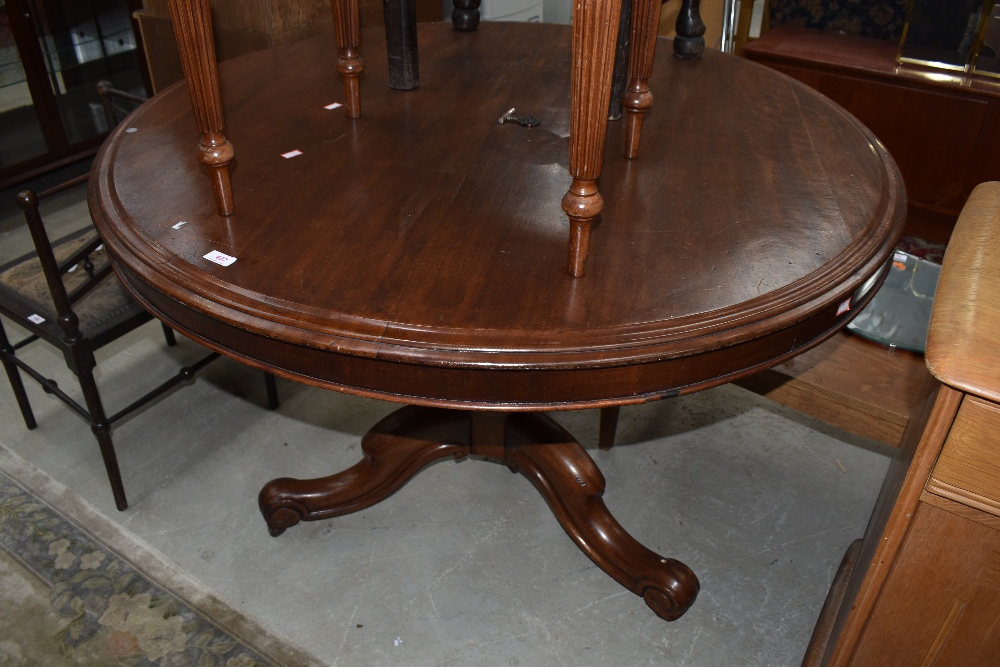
466, 564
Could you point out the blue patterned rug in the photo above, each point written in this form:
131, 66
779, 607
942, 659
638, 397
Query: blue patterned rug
79, 590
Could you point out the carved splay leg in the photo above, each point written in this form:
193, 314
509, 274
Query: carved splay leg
637, 98
571, 483
348, 28
465, 15
690, 40
193, 28
395, 449
595, 31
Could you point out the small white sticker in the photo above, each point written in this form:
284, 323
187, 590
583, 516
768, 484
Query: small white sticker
180, 224
289, 154
131, 130
99, 248
220, 258
844, 306
899, 256
37, 319
72, 268
333, 106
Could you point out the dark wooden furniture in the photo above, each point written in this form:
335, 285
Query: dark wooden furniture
65, 294
941, 129
923, 587
417, 253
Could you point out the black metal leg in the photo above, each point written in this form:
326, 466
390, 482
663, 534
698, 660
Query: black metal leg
620, 80
168, 334
272, 391
14, 375
401, 40
101, 428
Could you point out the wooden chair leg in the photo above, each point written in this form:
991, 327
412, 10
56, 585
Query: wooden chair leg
595, 32
637, 98
14, 375
689, 43
192, 22
101, 428
168, 335
347, 25
465, 15
609, 425
272, 391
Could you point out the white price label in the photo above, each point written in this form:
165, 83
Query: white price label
37, 319
220, 258
291, 154
333, 106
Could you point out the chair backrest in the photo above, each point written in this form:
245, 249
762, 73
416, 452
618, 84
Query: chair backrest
54, 269
117, 103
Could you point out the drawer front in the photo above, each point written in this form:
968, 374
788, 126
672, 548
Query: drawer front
968, 470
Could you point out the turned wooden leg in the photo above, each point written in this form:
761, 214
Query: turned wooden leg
690, 40
347, 25
532, 444
465, 15
193, 28
595, 32
637, 98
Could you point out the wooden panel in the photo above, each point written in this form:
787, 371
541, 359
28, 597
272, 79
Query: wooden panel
964, 511
893, 515
851, 383
931, 134
970, 461
964, 336
949, 570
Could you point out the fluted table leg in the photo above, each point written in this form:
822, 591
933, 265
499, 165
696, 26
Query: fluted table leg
347, 25
595, 32
192, 20
637, 98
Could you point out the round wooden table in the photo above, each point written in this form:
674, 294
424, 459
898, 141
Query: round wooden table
418, 254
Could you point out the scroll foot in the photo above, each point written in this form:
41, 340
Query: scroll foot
571, 483
395, 449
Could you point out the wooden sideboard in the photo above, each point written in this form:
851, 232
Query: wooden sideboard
923, 587
941, 129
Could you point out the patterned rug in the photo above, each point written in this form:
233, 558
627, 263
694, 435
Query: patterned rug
79, 590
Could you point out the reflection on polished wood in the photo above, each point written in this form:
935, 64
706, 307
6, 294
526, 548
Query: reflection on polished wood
418, 253
532, 444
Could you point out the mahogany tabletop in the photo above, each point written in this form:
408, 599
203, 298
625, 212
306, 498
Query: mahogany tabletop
418, 253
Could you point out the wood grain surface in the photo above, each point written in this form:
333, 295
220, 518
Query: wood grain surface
964, 335
418, 253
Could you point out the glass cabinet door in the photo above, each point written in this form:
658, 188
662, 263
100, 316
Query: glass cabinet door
21, 137
83, 42
52, 55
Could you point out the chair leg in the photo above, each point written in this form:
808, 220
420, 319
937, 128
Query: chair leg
14, 375
609, 425
168, 335
101, 428
272, 391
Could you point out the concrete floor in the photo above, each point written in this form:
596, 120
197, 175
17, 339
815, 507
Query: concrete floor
465, 565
